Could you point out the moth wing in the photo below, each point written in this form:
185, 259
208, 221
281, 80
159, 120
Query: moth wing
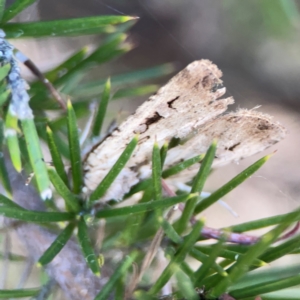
187, 101
239, 135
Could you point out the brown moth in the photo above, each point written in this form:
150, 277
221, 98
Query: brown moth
188, 107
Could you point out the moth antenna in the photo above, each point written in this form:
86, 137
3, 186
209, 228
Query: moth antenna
35, 70
186, 188
134, 279
155, 244
229, 208
208, 232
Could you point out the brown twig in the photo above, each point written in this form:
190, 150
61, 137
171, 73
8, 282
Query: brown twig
232, 237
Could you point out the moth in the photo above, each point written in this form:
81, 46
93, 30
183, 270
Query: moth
189, 107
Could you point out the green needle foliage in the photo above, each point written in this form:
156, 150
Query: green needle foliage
177, 259
57, 245
21, 293
96, 131
4, 71
71, 27
11, 125
144, 225
156, 173
86, 247
14, 9
197, 186
56, 157
75, 152
114, 171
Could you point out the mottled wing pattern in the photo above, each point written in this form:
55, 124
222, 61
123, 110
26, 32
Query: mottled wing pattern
239, 134
187, 107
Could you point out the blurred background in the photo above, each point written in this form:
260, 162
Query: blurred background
256, 43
